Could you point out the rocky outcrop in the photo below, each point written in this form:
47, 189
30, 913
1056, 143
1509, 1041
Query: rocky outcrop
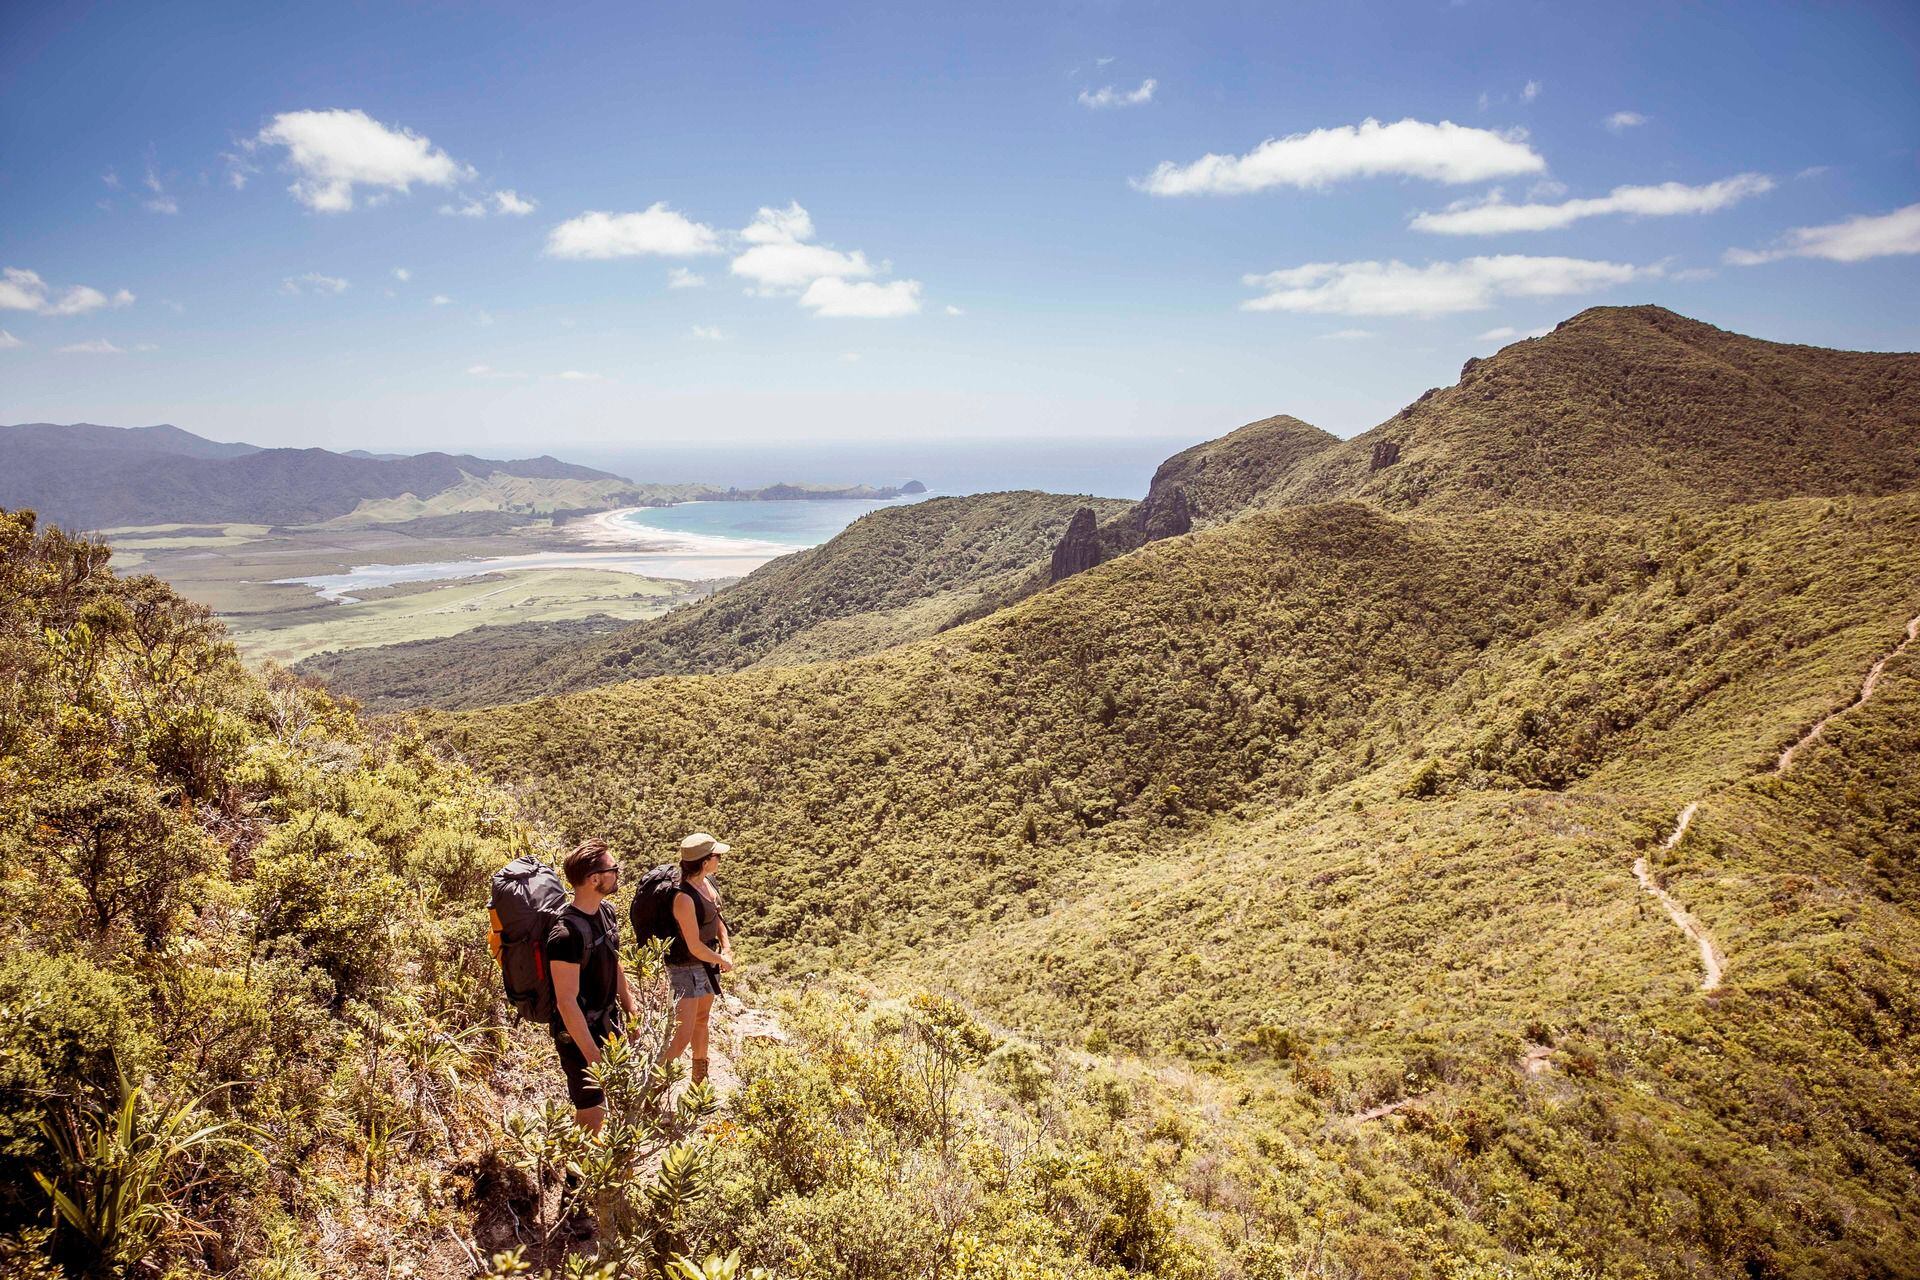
1385, 454
1078, 548
1164, 513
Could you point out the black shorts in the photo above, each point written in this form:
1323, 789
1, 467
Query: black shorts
582, 1090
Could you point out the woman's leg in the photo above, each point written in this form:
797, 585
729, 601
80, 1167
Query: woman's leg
683, 1023
700, 1010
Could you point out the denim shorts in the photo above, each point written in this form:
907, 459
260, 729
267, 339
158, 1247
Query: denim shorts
691, 980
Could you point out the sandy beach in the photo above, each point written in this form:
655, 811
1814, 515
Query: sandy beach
610, 529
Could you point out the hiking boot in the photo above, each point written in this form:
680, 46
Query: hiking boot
699, 1071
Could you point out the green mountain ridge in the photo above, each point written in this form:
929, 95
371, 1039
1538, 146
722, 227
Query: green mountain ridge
1342, 801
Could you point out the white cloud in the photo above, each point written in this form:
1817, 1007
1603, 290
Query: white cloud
955, 311
1494, 216
112, 179
863, 299
576, 375
657, 230
1101, 62
441, 300
313, 282
1348, 335
830, 282
785, 267
1856, 239
708, 333
681, 278
1507, 333
1621, 121
238, 168
779, 226
402, 274
161, 202
513, 204
1395, 288
8, 342
1530, 91
1546, 189
92, 347
1443, 152
1811, 171
508, 203
22, 290
781, 261
1112, 97
335, 151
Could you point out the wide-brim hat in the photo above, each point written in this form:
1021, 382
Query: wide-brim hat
700, 844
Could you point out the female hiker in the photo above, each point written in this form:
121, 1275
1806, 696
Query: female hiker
701, 950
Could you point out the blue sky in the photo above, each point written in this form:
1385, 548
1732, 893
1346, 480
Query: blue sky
979, 221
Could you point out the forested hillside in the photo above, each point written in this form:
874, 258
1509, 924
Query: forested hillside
249, 1025
1349, 803
892, 576
1630, 408
1341, 805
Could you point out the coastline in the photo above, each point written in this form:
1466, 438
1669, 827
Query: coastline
611, 529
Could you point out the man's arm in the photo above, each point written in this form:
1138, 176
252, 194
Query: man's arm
566, 996
683, 915
627, 1001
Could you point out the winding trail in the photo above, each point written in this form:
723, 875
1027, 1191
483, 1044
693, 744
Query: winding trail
1867, 687
1711, 958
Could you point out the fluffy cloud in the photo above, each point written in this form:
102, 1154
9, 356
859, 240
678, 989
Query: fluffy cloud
1621, 121
93, 347
862, 299
1443, 152
955, 311
1395, 288
22, 290
513, 204
402, 274
1854, 240
657, 230
708, 333
1112, 97
1494, 216
335, 151
1530, 91
779, 226
313, 282
780, 259
681, 278
8, 342
508, 203
441, 300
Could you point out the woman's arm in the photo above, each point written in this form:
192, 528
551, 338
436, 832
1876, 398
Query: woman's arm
689, 922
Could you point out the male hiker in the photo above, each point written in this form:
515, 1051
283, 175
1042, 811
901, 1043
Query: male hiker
589, 983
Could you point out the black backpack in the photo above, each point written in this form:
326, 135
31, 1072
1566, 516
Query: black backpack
525, 901
652, 909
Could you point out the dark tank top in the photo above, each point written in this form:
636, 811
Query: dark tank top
706, 914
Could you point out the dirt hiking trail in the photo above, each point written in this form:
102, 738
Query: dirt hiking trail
1711, 959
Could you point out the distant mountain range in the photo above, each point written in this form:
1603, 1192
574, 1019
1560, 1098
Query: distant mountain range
87, 476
